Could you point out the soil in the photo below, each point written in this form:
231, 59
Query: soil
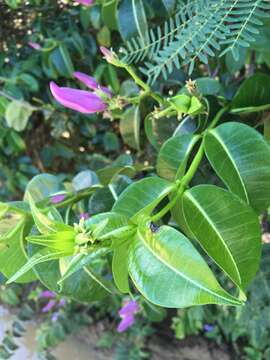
84, 345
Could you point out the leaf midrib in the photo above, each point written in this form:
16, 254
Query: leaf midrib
181, 274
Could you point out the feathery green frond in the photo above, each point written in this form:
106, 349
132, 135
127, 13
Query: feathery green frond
199, 30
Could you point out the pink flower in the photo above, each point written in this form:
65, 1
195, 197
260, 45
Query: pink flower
82, 101
130, 308
49, 306
91, 82
57, 199
127, 313
47, 294
125, 323
85, 2
84, 216
34, 45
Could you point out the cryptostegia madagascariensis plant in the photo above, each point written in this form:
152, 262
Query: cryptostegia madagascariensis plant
163, 229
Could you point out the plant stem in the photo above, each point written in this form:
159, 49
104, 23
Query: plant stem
183, 184
142, 84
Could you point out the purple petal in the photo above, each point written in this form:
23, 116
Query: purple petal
125, 323
78, 100
129, 308
55, 316
49, 306
57, 199
208, 327
62, 302
47, 294
84, 216
91, 82
106, 53
34, 45
85, 2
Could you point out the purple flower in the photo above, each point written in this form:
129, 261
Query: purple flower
125, 323
49, 306
85, 2
91, 82
82, 101
84, 216
57, 198
47, 294
129, 308
62, 302
208, 327
108, 55
34, 45
127, 313
55, 316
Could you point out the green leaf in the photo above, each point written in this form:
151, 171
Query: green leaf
226, 228
43, 255
62, 241
109, 14
84, 179
111, 229
253, 95
42, 186
208, 86
13, 255
132, 20
241, 158
130, 127
44, 224
141, 197
62, 61
173, 156
17, 114
162, 7
168, 270
120, 267
186, 104
159, 130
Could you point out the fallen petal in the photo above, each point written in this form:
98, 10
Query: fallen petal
78, 100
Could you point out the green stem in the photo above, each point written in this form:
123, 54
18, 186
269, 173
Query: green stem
142, 84
183, 184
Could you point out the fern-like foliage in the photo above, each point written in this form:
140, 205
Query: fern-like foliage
198, 30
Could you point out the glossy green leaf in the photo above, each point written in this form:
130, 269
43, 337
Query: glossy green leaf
253, 95
42, 256
173, 156
12, 252
84, 179
17, 114
120, 267
109, 14
168, 270
159, 130
241, 158
115, 225
130, 127
226, 228
42, 186
142, 197
44, 224
132, 20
